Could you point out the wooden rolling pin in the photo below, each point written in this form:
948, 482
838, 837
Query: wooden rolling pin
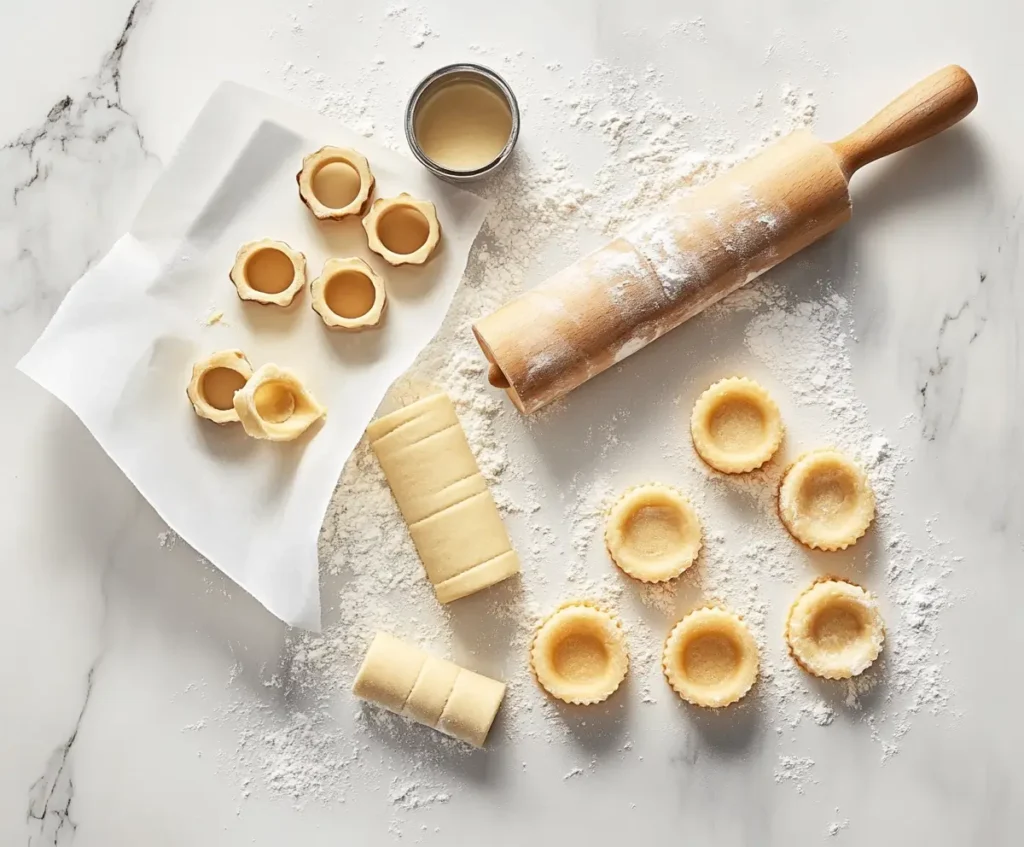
709, 242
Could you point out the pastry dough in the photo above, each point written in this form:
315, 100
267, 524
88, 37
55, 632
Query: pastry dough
274, 405
214, 382
268, 272
579, 654
335, 182
349, 294
826, 501
652, 533
710, 658
402, 230
834, 629
443, 497
735, 426
430, 691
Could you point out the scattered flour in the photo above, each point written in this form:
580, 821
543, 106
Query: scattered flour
291, 743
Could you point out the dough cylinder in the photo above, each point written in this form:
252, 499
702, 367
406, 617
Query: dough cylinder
443, 497
708, 242
431, 691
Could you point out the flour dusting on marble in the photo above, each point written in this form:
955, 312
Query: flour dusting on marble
290, 742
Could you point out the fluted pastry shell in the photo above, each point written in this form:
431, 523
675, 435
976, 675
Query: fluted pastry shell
215, 379
335, 182
736, 426
652, 533
834, 629
268, 272
711, 658
825, 500
349, 295
578, 654
402, 230
274, 405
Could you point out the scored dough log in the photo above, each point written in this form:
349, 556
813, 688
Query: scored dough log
435, 692
443, 497
664, 270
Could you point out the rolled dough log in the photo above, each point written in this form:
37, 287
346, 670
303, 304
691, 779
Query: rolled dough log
443, 497
435, 692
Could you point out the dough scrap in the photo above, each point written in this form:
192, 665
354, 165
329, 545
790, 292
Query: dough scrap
274, 405
711, 658
652, 533
214, 382
443, 497
825, 500
431, 691
268, 272
579, 653
834, 629
736, 426
402, 230
335, 182
349, 295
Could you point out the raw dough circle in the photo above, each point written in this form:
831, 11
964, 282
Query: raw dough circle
834, 629
735, 425
710, 658
335, 182
652, 533
214, 383
825, 500
268, 272
349, 295
579, 654
402, 230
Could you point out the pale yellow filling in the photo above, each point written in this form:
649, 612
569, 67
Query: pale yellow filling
463, 125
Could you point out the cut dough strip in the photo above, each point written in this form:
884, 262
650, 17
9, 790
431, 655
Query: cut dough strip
652, 533
834, 629
431, 691
443, 497
736, 426
710, 658
579, 653
826, 501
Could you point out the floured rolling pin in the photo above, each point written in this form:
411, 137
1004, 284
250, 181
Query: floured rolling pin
708, 243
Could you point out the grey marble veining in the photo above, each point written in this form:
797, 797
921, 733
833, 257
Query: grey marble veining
104, 630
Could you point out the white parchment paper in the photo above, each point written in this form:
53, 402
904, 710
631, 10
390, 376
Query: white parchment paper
119, 351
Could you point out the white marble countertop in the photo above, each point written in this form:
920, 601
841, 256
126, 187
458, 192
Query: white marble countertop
141, 690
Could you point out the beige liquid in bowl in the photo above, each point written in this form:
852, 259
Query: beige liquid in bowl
463, 125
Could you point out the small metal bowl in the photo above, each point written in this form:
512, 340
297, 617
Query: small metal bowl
444, 76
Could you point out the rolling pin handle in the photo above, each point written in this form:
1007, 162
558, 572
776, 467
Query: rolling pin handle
934, 104
495, 377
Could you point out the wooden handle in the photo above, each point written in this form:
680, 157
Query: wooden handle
934, 104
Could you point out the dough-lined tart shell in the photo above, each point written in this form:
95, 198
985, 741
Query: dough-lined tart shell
349, 295
834, 629
825, 500
274, 405
268, 272
652, 533
214, 382
736, 426
579, 653
710, 658
335, 182
402, 230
